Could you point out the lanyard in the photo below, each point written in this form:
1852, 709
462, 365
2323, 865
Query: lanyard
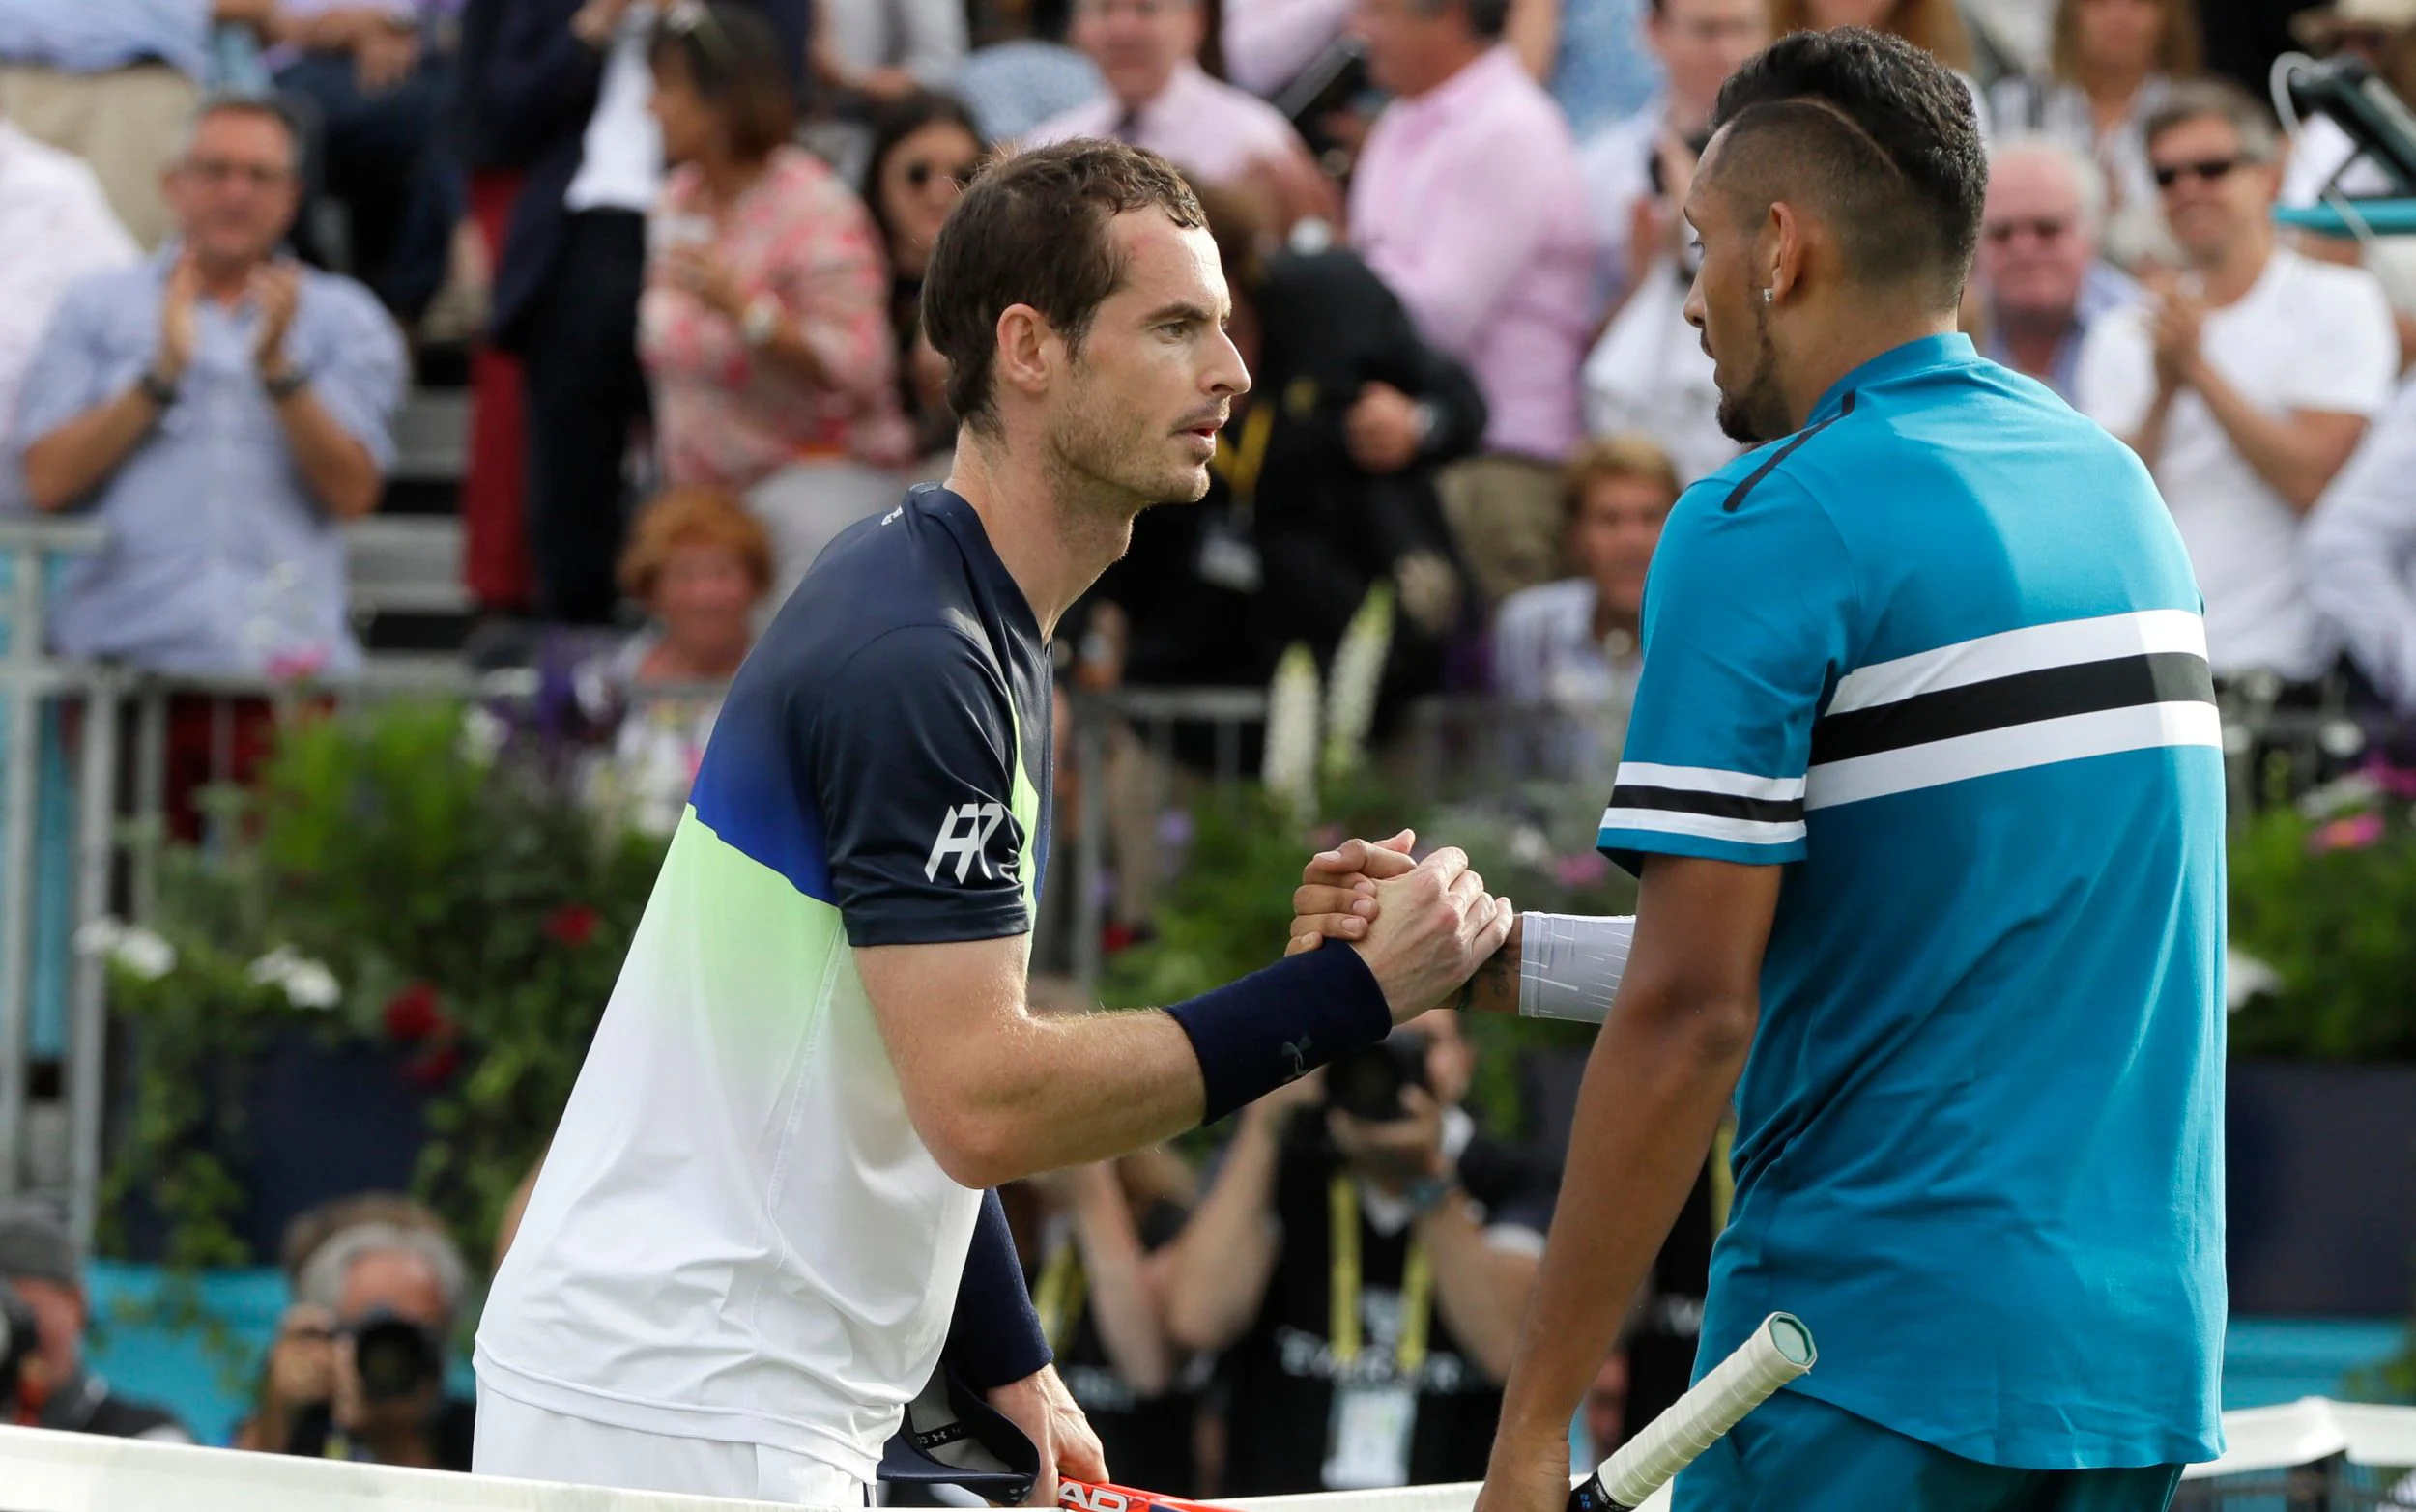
1239, 466
1059, 1294
1343, 1296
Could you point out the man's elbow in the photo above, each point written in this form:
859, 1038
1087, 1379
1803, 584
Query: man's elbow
1705, 1025
355, 494
978, 1148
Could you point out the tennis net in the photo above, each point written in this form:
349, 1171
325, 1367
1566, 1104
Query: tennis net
2309, 1455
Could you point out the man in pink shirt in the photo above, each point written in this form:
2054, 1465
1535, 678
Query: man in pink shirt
1158, 97
1467, 200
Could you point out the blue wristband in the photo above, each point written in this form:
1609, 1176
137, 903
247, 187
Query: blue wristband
1278, 1025
993, 1337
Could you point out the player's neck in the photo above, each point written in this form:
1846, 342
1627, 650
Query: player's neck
1051, 545
1857, 337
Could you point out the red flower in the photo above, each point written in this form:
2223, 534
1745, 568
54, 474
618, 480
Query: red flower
433, 1067
572, 923
412, 1015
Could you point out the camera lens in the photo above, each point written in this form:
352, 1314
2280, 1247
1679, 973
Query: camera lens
396, 1358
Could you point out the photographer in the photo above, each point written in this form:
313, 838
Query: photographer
1362, 1259
43, 1313
358, 1369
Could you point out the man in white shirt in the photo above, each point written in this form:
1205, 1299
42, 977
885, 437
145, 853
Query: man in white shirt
57, 226
2247, 382
1700, 43
2360, 554
1160, 98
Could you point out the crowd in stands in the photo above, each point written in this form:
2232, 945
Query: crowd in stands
690, 236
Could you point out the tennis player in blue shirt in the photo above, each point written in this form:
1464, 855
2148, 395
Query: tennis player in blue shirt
1923, 786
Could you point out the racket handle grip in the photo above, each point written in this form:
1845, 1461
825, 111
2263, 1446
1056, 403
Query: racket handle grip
1590, 1496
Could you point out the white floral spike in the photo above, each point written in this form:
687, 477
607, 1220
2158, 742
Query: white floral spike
1291, 766
1356, 681
144, 953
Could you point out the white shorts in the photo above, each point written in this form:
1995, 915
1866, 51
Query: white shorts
523, 1442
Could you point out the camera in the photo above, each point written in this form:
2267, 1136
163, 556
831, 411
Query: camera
18, 1343
396, 1358
1368, 1083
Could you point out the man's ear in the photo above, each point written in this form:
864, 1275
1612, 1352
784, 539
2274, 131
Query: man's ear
1029, 350
1784, 250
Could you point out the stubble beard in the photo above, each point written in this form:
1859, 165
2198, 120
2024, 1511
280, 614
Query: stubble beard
1756, 411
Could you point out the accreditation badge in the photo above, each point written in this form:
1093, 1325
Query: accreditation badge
1367, 1441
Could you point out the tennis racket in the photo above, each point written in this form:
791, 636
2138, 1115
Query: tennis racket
1083, 1496
1776, 1353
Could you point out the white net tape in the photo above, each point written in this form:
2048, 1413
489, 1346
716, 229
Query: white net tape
68, 1472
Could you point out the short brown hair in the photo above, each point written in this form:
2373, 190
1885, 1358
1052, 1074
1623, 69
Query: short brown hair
732, 56
1032, 229
1630, 455
692, 515
2179, 52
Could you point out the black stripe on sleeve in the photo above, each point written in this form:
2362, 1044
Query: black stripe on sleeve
1726, 805
2021, 698
1736, 495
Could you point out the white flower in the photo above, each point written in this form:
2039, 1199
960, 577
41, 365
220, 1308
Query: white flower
1530, 847
101, 936
1291, 765
482, 735
2245, 977
144, 953
306, 982
1356, 681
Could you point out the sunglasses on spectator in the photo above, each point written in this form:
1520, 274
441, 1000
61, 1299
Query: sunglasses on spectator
2045, 228
2206, 170
919, 174
218, 170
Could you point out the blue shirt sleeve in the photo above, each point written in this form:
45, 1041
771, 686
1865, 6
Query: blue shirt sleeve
354, 355
1747, 616
73, 364
994, 1337
913, 755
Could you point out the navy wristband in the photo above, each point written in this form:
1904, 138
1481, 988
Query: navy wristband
1278, 1025
993, 1336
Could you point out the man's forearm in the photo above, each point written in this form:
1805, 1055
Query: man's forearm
69, 462
337, 468
1481, 1291
1559, 966
1227, 1254
1131, 1324
1654, 1089
2288, 452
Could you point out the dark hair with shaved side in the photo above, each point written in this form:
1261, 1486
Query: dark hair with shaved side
1877, 138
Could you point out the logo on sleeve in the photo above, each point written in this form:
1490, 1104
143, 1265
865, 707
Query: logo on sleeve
965, 834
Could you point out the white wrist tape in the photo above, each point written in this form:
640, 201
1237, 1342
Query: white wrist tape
1568, 968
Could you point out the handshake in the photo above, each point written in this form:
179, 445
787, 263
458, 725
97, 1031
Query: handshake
1424, 927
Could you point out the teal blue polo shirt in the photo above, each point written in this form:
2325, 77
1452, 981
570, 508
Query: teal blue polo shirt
1940, 655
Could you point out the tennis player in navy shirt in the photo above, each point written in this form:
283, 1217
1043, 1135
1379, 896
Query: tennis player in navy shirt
1924, 788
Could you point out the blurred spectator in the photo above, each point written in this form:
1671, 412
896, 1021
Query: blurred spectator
2040, 280
1569, 651
2381, 34
1467, 200
1932, 24
2009, 35
1603, 71
377, 87
925, 150
1160, 98
221, 409
1268, 43
1097, 1253
2360, 554
57, 227
1573, 645
764, 327
1649, 374
1013, 86
2245, 383
39, 1265
357, 1371
564, 97
1363, 1272
701, 564
1629, 167
114, 82
874, 51
1605, 1409
2112, 62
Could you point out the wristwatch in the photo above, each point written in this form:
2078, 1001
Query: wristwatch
160, 391
760, 321
1426, 1195
284, 385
